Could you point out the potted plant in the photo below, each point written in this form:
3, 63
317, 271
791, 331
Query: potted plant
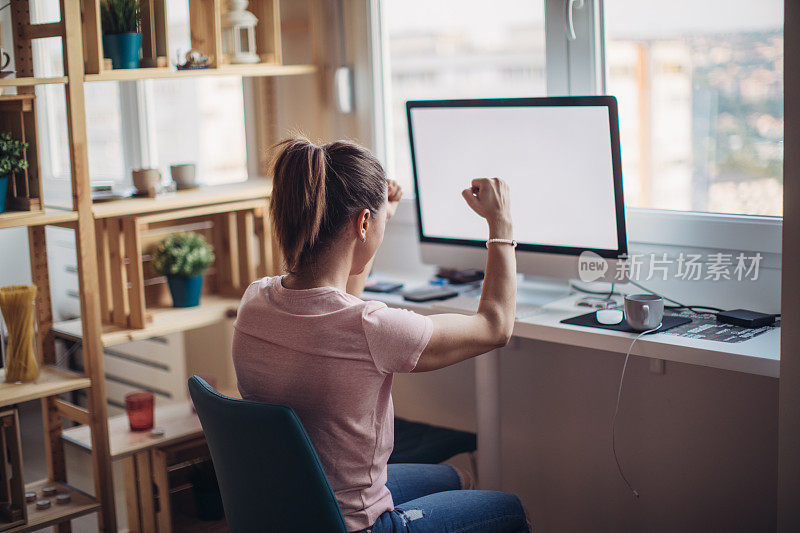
12, 160
183, 258
121, 20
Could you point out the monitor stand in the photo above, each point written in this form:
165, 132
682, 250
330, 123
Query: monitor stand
539, 290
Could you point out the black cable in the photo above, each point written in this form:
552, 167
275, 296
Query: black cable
599, 293
5, 6
678, 305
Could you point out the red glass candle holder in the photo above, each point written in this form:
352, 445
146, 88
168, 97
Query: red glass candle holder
140, 406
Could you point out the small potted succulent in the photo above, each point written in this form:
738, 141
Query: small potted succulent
12, 160
121, 20
183, 258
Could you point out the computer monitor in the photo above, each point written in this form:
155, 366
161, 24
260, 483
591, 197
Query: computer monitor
561, 159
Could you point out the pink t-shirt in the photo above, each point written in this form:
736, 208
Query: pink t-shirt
330, 356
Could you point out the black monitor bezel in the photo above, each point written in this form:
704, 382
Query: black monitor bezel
609, 102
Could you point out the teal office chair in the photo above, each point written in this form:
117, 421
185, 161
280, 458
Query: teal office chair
269, 475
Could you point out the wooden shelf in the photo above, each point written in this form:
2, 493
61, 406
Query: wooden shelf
162, 320
27, 81
13, 219
177, 420
80, 505
51, 381
251, 189
259, 69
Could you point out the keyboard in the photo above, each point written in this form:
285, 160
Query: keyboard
469, 304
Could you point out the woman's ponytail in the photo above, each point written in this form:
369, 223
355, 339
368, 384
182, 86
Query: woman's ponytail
298, 201
315, 189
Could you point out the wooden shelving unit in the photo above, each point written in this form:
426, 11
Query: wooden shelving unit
28, 81
80, 34
163, 320
51, 381
80, 504
47, 217
258, 70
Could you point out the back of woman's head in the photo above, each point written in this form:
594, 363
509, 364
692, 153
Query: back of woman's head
316, 190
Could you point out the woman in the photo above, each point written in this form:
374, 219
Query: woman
302, 340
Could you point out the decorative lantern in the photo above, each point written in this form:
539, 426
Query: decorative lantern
239, 33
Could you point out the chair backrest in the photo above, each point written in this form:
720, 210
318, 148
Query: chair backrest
269, 474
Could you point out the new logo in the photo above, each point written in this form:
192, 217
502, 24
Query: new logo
591, 266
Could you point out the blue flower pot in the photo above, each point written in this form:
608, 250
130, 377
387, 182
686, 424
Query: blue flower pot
185, 291
3, 193
123, 49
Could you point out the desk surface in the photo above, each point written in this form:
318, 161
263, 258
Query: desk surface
759, 355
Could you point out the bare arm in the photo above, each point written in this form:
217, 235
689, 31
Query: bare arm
456, 337
356, 282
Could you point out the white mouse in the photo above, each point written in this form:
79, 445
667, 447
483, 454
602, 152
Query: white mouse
609, 316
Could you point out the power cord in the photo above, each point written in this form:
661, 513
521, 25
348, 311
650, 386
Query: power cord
677, 305
616, 410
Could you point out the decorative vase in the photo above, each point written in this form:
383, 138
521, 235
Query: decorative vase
3, 193
17, 306
185, 291
123, 49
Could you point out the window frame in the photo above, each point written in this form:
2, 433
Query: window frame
578, 67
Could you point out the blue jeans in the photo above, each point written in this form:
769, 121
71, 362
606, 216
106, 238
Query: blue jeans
429, 499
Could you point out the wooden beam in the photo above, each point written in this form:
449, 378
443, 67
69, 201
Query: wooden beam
246, 233
87, 259
133, 255
131, 494
116, 259
205, 20
161, 484
23, 50
40, 275
144, 482
92, 37
43, 31
73, 412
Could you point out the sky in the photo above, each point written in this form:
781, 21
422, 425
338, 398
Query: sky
631, 17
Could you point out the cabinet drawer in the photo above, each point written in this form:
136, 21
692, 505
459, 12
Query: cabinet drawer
116, 391
165, 351
147, 376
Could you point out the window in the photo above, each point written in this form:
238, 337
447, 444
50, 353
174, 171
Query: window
459, 49
144, 123
201, 121
700, 90
198, 120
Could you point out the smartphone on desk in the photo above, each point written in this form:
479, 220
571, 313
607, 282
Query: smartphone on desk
383, 286
429, 294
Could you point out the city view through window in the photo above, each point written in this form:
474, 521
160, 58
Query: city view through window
700, 88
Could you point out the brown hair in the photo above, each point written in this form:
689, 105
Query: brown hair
316, 190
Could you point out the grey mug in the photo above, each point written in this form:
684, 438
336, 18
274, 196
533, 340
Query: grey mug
183, 175
644, 311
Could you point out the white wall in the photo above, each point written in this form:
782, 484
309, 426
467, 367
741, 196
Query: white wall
699, 444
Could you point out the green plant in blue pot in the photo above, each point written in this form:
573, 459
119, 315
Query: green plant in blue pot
122, 41
183, 258
12, 160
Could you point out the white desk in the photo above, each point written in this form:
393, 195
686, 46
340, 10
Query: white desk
760, 355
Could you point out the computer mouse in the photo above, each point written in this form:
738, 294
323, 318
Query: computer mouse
609, 316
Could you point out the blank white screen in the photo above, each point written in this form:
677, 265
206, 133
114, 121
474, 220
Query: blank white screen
556, 160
